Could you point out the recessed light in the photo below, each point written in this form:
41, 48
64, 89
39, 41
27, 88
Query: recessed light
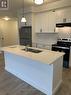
6, 18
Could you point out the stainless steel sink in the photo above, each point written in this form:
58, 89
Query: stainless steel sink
32, 50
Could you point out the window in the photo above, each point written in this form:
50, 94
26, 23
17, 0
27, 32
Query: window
4, 4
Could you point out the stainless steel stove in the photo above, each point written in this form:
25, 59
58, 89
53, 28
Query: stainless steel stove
63, 45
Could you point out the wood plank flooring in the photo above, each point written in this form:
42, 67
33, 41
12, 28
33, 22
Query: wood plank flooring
11, 85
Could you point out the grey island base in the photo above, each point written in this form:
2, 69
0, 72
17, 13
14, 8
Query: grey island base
41, 70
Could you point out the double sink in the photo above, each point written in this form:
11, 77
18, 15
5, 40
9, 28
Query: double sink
32, 50
28, 49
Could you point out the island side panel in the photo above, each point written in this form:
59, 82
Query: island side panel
70, 58
57, 73
37, 74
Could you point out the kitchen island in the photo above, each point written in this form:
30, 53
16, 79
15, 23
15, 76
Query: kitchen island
42, 70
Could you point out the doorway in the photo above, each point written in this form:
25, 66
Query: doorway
8, 33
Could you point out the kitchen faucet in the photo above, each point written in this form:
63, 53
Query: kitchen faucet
26, 47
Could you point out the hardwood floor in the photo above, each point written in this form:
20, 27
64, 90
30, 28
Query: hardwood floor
65, 88
11, 85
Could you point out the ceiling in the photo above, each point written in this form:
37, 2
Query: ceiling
15, 5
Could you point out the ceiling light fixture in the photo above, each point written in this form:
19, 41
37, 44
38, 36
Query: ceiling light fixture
38, 2
6, 18
23, 19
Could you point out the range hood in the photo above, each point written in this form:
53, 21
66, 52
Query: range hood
63, 24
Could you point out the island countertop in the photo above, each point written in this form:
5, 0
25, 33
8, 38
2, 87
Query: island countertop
46, 56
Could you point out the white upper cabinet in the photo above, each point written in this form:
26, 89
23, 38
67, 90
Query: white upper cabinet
67, 14
45, 22
38, 23
52, 21
59, 16
63, 15
41, 22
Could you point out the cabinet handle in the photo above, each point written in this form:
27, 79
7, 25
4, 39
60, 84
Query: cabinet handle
41, 30
54, 29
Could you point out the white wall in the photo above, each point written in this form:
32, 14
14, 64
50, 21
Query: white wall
9, 32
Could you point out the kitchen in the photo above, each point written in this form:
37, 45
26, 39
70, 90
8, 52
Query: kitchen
44, 31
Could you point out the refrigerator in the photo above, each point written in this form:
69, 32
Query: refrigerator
25, 35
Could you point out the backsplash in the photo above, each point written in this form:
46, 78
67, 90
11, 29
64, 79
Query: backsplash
64, 32
46, 38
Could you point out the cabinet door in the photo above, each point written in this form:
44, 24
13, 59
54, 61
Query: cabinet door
41, 22
67, 14
45, 22
38, 23
52, 21
59, 16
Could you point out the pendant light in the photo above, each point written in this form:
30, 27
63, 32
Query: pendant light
23, 19
38, 2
